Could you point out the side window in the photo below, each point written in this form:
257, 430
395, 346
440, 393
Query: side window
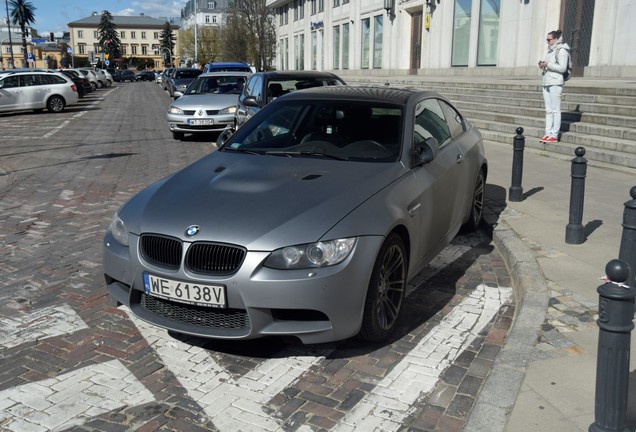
9, 82
430, 122
455, 120
30, 80
256, 89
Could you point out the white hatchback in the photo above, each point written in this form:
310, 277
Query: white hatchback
36, 91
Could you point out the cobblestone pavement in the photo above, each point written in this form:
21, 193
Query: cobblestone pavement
71, 360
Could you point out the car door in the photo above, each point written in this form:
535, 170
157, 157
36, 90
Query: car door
10, 93
34, 93
253, 88
438, 180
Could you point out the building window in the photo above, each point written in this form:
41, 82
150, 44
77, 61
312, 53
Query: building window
82, 49
299, 51
345, 46
133, 49
124, 49
321, 5
345, 1
211, 5
214, 20
296, 7
207, 19
144, 49
95, 34
336, 47
80, 34
365, 35
286, 65
301, 9
314, 50
336, 3
122, 35
133, 35
313, 7
488, 40
156, 35
143, 35
461, 32
378, 32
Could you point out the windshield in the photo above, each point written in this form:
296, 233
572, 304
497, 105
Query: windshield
217, 85
345, 130
192, 73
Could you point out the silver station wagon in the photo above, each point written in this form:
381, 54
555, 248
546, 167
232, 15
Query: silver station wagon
36, 91
309, 221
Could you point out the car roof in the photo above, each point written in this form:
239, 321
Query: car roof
225, 73
398, 96
298, 74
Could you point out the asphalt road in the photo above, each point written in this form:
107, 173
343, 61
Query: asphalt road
72, 360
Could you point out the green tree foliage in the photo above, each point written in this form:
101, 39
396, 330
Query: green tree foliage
23, 14
209, 42
256, 21
108, 36
167, 43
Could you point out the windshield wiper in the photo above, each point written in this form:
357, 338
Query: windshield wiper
305, 153
240, 150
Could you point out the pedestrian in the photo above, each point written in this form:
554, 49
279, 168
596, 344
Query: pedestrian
556, 62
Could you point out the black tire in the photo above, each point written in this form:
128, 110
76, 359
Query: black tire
386, 291
477, 204
55, 104
177, 135
93, 86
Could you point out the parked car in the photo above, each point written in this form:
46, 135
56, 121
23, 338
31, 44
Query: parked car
309, 222
88, 73
166, 73
124, 75
158, 76
82, 83
145, 75
36, 91
208, 105
227, 67
102, 78
180, 79
263, 87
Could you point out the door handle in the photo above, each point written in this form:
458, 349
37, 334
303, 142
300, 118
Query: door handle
460, 158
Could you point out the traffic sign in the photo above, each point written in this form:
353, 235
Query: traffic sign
69, 50
30, 57
107, 62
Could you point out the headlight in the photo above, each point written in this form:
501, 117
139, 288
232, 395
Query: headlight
175, 110
228, 110
119, 230
311, 255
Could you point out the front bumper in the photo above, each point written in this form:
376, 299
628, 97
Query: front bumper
314, 305
188, 123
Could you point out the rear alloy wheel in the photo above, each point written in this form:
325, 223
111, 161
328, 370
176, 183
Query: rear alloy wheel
55, 104
477, 204
93, 86
386, 291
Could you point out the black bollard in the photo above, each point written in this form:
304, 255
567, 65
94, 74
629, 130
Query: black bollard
627, 250
615, 312
515, 192
574, 231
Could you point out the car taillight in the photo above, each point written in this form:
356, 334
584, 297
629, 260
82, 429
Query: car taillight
74, 88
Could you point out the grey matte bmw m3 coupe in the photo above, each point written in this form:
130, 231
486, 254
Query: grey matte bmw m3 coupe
309, 221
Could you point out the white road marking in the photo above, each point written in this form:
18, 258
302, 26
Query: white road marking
239, 403
71, 399
417, 373
232, 403
40, 324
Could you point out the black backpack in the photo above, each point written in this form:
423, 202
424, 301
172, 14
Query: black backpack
568, 70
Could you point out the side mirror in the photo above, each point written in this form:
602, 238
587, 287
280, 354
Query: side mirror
176, 95
425, 152
250, 101
224, 137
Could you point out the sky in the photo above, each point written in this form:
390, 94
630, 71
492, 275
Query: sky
54, 15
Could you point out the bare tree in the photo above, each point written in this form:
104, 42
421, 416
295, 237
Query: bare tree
257, 23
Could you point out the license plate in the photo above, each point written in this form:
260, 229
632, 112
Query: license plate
185, 292
200, 122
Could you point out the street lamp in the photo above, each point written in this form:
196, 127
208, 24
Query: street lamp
169, 54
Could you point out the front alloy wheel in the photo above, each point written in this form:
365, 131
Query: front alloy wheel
477, 204
386, 291
55, 104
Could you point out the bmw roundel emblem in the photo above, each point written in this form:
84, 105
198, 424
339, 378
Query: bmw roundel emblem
192, 230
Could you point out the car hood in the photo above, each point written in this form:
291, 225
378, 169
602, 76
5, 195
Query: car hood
206, 101
260, 202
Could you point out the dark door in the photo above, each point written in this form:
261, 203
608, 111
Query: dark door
577, 17
416, 41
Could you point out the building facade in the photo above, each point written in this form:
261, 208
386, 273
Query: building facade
139, 36
459, 37
203, 13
